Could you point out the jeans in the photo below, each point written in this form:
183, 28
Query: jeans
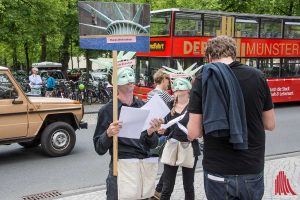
111, 185
169, 178
243, 187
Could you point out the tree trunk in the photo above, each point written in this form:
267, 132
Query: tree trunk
88, 63
71, 54
78, 66
298, 8
65, 55
291, 7
44, 47
15, 57
27, 57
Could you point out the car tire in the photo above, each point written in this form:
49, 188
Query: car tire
30, 144
58, 139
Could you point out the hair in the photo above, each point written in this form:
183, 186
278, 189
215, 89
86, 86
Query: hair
35, 69
159, 76
221, 47
173, 111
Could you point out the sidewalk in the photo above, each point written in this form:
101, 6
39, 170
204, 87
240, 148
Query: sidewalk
288, 163
93, 108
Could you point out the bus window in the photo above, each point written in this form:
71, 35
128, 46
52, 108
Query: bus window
290, 68
252, 62
160, 24
212, 24
245, 27
188, 24
270, 67
270, 28
187, 62
146, 67
292, 30
141, 72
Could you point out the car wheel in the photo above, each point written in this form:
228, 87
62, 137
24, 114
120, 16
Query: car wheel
58, 139
30, 144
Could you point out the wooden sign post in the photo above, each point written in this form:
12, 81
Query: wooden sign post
128, 29
115, 111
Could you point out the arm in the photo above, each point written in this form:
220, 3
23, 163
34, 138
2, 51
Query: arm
31, 80
150, 141
102, 142
269, 120
194, 126
149, 137
268, 115
39, 80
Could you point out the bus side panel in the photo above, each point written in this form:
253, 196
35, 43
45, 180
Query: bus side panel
285, 90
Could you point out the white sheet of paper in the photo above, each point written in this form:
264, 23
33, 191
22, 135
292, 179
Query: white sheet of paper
172, 122
158, 109
133, 121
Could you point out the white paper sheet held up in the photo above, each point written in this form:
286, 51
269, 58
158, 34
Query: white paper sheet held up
172, 122
158, 109
133, 121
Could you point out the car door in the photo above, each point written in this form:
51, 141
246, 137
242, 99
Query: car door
13, 109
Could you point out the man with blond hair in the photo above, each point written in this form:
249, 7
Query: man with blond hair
231, 107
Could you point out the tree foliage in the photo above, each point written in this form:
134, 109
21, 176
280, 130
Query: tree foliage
39, 30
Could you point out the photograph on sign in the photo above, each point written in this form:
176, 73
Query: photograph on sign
114, 26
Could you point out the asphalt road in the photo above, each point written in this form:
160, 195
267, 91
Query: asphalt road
24, 172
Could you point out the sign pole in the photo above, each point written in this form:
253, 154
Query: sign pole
115, 111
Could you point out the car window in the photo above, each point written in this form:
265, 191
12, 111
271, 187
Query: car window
7, 89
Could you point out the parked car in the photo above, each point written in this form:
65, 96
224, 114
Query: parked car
74, 74
34, 121
94, 78
58, 75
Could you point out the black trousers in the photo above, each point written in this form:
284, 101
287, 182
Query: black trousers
169, 178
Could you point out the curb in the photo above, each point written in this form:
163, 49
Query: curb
102, 187
91, 112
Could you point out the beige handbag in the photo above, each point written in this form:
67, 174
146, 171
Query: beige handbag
169, 155
185, 155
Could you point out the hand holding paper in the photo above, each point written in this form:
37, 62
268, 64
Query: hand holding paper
133, 121
173, 121
157, 108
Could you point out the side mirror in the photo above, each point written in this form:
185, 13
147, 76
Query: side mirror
17, 101
14, 95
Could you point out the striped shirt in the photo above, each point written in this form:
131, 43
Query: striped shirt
163, 94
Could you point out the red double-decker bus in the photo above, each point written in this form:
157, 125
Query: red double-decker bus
267, 42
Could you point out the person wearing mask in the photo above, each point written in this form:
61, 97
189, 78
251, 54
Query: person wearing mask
35, 82
231, 107
181, 88
132, 153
